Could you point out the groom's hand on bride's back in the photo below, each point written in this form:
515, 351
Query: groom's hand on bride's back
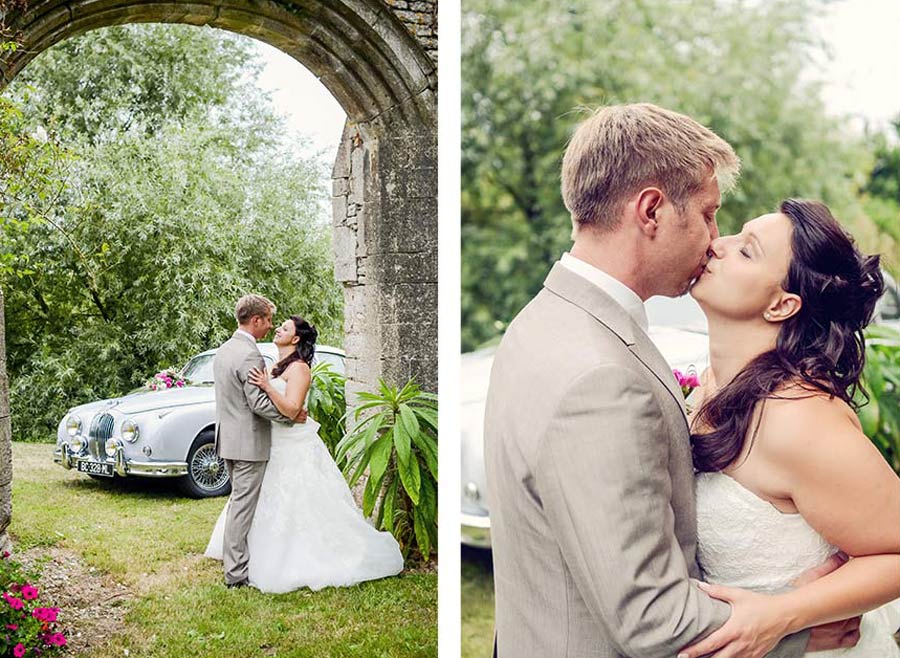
836, 635
833, 563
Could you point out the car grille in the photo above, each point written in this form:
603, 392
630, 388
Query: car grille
101, 429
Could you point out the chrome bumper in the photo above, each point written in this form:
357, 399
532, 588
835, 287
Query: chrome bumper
476, 530
121, 466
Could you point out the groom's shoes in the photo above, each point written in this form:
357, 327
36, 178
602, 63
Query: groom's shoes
238, 584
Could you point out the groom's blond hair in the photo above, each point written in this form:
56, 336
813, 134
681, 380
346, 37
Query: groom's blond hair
621, 149
249, 306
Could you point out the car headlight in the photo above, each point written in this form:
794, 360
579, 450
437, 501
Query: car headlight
73, 425
130, 431
76, 443
112, 446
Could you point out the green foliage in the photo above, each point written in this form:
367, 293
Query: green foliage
881, 194
880, 417
397, 443
529, 67
29, 626
327, 404
175, 194
138, 79
30, 162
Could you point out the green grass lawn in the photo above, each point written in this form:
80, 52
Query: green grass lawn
477, 596
150, 538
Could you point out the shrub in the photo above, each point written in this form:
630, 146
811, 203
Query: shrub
880, 417
27, 626
397, 444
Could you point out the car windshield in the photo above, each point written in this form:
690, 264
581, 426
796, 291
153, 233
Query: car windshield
679, 313
199, 370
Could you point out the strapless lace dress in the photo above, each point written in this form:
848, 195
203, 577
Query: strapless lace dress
308, 530
745, 541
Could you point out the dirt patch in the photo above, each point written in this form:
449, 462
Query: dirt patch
92, 604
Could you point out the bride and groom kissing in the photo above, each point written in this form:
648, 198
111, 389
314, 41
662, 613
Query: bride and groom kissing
291, 520
609, 503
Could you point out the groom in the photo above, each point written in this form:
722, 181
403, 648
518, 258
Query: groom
587, 449
243, 429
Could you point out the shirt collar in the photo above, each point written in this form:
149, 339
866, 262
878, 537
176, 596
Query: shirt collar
621, 294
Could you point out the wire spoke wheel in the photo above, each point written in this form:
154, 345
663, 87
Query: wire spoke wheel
208, 469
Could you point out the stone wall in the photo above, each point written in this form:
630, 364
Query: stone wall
420, 18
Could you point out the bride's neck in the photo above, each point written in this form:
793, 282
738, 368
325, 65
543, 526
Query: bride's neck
285, 351
735, 343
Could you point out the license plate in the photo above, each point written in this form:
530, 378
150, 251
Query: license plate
96, 468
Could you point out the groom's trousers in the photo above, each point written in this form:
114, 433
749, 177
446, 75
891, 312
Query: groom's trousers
246, 482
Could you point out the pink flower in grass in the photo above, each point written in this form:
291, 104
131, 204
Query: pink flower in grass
12, 627
14, 603
29, 593
58, 639
5, 554
19, 650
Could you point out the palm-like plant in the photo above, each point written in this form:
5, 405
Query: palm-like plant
880, 418
327, 403
397, 443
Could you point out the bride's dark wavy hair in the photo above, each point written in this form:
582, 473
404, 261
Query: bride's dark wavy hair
306, 347
821, 348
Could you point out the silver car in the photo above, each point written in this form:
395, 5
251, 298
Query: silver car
677, 327
159, 434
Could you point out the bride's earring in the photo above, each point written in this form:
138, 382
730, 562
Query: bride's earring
767, 315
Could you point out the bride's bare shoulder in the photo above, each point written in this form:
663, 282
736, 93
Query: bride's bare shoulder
297, 369
798, 418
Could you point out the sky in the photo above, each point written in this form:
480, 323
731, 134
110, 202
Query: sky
863, 36
862, 79
297, 94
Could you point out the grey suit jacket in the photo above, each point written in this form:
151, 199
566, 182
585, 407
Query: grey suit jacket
591, 487
243, 411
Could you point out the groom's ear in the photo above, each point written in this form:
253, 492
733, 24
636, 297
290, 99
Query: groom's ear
647, 205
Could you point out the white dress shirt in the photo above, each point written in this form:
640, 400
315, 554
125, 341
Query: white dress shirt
621, 294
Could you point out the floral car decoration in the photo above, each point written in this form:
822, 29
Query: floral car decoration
169, 378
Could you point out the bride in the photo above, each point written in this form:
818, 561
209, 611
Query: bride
307, 530
786, 478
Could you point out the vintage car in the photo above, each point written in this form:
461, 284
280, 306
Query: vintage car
159, 434
677, 327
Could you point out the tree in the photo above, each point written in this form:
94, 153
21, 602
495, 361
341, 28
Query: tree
177, 195
530, 67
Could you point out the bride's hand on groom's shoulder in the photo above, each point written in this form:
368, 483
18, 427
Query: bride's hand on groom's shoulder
259, 378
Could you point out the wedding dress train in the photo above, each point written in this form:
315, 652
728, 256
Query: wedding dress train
308, 530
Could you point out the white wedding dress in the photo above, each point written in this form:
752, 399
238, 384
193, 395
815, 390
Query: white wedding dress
744, 541
307, 530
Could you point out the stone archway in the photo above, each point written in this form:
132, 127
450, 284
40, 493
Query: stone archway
377, 57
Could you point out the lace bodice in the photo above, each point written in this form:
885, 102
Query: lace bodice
744, 541
280, 432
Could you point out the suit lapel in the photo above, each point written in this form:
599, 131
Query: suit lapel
589, 297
